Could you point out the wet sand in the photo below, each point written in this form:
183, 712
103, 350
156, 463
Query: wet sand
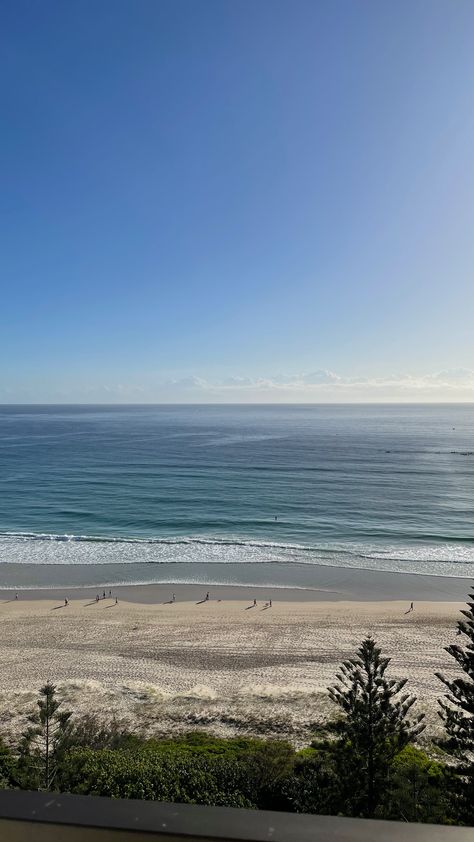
220, 665
321, 582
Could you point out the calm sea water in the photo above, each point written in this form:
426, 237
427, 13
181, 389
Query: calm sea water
206, 489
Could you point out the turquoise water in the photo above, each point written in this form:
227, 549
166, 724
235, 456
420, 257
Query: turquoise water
377, 487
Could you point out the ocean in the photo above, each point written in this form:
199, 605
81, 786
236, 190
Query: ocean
233, 494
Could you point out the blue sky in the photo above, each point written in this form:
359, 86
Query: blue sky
224, 200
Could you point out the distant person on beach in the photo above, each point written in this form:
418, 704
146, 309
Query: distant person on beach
97, 598
16, 596
207, 596
110, 593
103, 595
66, 601
270, 604
116, 600
173, 599
411, 608
255, 602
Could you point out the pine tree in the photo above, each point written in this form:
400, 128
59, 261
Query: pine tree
376, 725
457, 711
41, 744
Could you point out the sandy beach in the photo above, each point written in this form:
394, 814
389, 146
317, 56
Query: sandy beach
221, 665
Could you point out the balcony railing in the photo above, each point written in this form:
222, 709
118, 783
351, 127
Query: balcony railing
41, 817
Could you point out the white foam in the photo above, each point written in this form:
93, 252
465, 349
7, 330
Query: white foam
444, 559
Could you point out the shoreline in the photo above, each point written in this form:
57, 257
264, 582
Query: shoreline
327, 584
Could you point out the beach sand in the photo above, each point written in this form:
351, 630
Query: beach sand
220, 665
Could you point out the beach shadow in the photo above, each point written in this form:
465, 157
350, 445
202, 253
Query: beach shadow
56, 608
171, 601
94, 601
265, 608
6, 601
249, 607
201, 601
112, 606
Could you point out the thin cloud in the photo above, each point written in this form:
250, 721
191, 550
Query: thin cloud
321, 383
324, 381
317, 385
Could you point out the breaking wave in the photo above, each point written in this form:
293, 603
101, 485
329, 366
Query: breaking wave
444, 558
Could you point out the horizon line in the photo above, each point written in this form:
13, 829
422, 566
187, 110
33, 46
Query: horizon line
242, 403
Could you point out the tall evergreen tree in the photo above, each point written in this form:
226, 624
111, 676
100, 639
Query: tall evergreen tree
376, 725
457, 711
41, 744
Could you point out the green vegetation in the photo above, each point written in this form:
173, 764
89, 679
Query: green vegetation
42, 744
457, 713
375, 727
163, 776
363, 764
195, 769
420, 789
201, 769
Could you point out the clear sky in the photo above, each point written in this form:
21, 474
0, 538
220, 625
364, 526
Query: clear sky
235, 200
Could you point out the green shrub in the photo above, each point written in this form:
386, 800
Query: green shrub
419, 789
89, 731
324, 781
313, 786
155, 776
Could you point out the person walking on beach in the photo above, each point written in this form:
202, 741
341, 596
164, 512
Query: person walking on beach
97, 598
66, 601
207, 596
173, 598
270, 604
103, 595
116, 600
255, 602
16, 596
